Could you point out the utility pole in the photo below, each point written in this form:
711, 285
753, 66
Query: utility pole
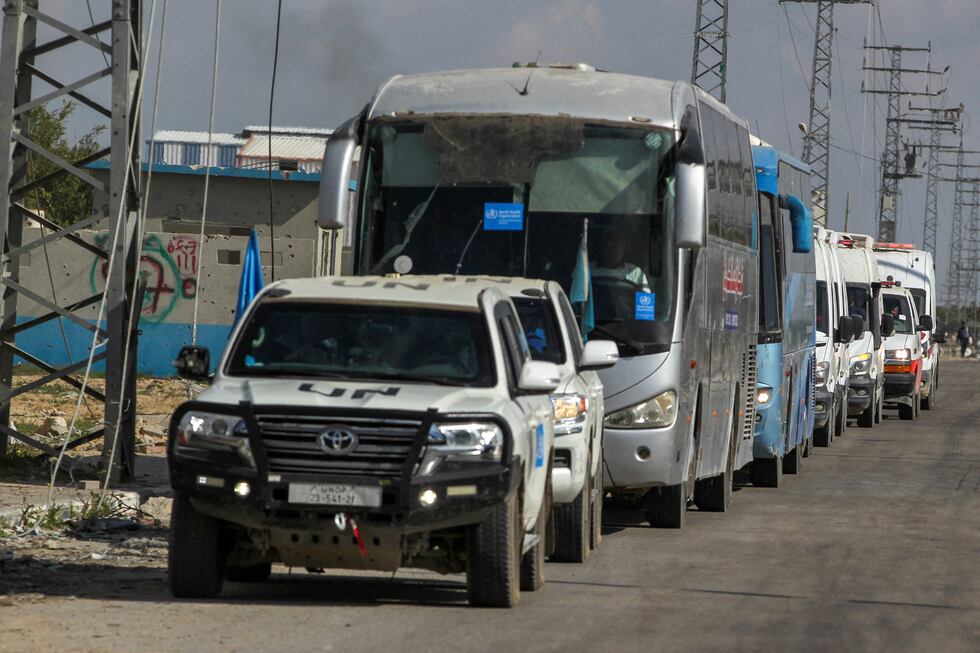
936, 128
17, 69
709, 69
890, 171
816, 144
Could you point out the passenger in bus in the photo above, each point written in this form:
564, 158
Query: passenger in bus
612, 263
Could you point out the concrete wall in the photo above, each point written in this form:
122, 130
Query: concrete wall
177, 265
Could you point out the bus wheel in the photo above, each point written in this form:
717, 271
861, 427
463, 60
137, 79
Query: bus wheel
715, 494
666, 505
793, 460
766, 472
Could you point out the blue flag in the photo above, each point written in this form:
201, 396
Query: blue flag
582, 286
251, 282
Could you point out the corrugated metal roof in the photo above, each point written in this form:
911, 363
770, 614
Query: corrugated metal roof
284, 147
288, 131
179, 136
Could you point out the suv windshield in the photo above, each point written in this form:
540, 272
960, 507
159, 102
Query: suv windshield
898, 307
541, 329
364, 341
529, 196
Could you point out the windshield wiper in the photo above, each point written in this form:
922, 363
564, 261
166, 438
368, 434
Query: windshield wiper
422, 378
618, 339
297, 370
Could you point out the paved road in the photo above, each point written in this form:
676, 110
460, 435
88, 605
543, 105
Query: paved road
875, 546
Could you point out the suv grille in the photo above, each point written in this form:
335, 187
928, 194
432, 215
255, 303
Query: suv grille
292, 447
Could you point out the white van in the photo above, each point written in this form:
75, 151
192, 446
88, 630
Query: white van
835, 331
867, 352
903, 351
915, 270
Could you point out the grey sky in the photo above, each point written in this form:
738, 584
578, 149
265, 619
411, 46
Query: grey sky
334, 53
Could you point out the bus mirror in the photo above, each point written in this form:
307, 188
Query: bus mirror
691, 219
802, 223
887, 325
336, 185
925, 323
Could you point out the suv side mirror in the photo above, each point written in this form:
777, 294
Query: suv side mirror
887, 325
802, 223
335, 183
845, 329
538, 377
925, 323
598, 355
193, 363
689, 192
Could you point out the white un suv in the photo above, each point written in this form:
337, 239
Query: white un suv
553, 335
367, 423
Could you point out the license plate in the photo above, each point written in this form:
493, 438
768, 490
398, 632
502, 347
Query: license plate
335, 494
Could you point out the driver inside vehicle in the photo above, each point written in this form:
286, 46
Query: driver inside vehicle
611, 262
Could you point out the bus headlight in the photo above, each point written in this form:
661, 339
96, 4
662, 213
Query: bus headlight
860, 364
650, 414
763, 395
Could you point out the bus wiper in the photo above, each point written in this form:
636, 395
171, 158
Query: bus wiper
618, 339
413, 219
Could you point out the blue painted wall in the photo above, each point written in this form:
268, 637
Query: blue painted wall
159, 344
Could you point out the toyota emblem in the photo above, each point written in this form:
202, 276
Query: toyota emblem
337, 441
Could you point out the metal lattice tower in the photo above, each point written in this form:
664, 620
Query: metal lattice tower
971, 198
709, 69
942, 120
816, 145
22, 63
954, 273
891, 172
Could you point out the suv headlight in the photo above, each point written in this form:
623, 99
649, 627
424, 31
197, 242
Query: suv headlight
823, 371
861, 364
763, 395
650, 414
898, 354
475, 441
215, 431
570, 412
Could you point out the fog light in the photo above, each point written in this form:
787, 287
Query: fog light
862, 393
820, 407
758, 417
642, 453
242, 489
428, 497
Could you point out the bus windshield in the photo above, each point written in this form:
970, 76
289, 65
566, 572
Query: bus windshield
587, 205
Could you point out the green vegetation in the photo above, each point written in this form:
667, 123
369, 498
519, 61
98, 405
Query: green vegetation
65, 199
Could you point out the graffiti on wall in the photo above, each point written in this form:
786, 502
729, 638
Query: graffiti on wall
170, 273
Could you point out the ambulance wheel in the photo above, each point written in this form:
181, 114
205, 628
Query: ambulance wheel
866, 420
494, 557
906, 411
823, 436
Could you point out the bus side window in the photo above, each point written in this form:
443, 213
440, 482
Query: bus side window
711, 153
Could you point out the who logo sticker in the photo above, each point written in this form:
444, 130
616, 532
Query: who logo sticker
646, 306
731, 320
501, 216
